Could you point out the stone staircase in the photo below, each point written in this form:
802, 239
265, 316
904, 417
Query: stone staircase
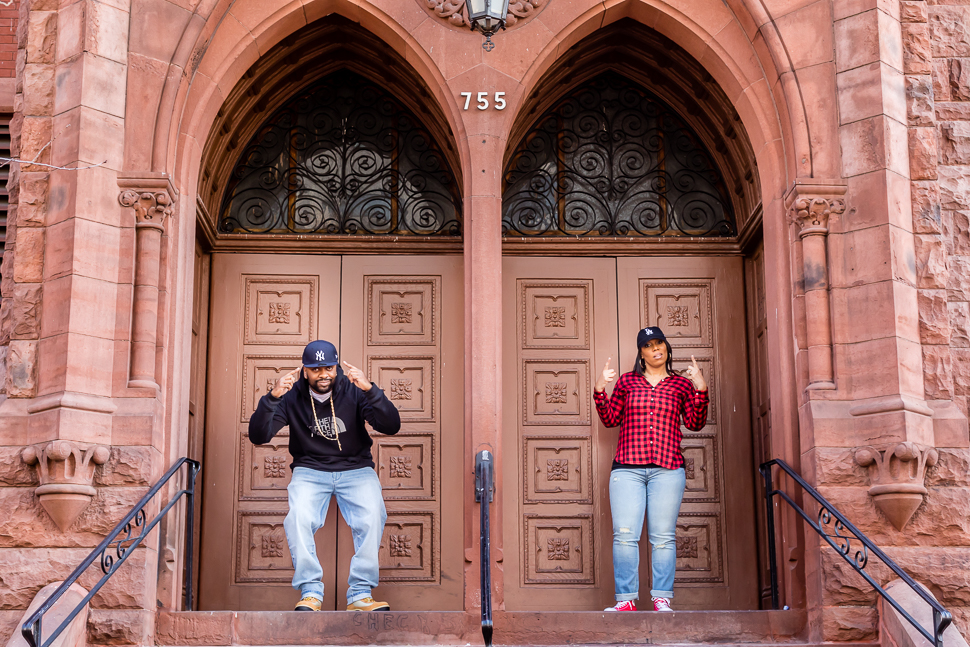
225, 628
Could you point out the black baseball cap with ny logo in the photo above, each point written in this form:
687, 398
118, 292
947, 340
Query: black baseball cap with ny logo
319, 353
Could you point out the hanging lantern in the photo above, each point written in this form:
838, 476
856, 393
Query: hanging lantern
487, 16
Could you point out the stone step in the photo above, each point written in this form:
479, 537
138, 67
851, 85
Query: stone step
266, 628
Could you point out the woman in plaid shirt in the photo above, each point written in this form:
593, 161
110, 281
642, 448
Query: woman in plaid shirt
648, 405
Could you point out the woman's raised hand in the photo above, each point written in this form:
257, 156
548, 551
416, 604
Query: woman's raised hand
696, 376
608, 376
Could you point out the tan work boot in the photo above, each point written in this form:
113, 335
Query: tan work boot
368, 604
309, 603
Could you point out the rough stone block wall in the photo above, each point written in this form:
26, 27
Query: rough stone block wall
934, 547
34, 552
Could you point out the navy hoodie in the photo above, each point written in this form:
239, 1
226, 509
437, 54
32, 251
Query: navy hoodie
352, 406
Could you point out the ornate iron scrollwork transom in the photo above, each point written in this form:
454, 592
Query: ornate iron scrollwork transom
342, 156
611, 159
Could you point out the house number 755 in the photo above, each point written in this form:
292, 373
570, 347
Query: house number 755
482, 100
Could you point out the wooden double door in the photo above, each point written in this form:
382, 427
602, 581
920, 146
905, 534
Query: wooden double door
399, 318
563, 317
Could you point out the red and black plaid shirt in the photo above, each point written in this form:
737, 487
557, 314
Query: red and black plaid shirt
649, 418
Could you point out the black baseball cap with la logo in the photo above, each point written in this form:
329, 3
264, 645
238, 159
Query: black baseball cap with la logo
648, 334
319, 353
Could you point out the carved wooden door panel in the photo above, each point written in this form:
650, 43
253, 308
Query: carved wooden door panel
265, 309
699, 303
559, 326
401, 323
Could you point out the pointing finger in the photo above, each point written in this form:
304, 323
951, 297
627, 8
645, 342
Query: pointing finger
349, 366
608, 360
294, 371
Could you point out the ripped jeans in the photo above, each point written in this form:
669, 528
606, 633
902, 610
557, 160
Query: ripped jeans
657, 492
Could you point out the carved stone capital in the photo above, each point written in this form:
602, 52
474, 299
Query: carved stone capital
151, 196
455, 13
66, 471
151, 208
896, 476
810, 203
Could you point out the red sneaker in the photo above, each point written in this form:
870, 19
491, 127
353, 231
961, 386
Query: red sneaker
625, 605
661, 604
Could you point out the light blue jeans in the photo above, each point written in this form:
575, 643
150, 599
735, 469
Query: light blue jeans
657, 492
361, 504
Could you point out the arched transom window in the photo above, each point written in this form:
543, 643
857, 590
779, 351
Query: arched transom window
611, 159
342, 156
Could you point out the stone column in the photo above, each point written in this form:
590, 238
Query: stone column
152, 201
810, 206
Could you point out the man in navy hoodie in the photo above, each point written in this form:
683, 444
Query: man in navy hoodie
325, 411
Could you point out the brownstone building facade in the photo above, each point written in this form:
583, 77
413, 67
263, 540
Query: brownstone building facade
204, 186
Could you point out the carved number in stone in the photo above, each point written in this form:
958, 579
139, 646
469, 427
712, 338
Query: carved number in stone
401, 312
555, 317
400, 545
687, 547
558, 548
678, 316
557, 469
279, 313
272, 546
689, 468
556, 392
401, 389
400, 467
274, 467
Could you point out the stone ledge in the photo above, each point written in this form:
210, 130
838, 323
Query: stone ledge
219, 628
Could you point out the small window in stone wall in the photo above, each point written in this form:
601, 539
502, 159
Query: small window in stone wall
4, 176
612, 159
342, 156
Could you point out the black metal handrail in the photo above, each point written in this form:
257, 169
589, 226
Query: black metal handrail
31, 629
842, 543
484, 492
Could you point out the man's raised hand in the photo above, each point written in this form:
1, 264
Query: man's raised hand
608, 376
356, 377
696, 376
286, 383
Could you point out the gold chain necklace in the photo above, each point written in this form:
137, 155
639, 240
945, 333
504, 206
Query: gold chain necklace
316, 420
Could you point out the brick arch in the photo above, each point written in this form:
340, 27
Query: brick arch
327, 46
748, 64
661, 67
235, 36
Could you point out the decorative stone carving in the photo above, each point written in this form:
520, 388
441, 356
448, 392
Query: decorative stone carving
401, 388
810, 203
151, 207
401, 312
687, 547
896, 474
279, 313
689, 472
558, 548
400, 467
678, 316
455, 13
557, 469
272, 546
556, 392
555, 316
274, 467
66, 471
152, 200
400, 545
